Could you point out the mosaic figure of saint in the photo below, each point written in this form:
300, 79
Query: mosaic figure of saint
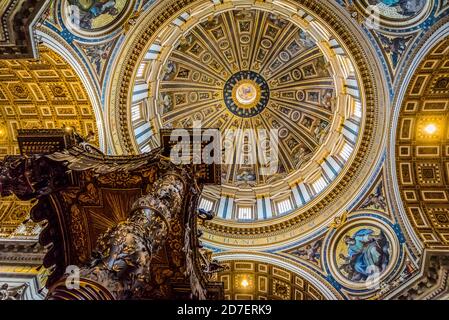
406, 8
367, 254
91, 9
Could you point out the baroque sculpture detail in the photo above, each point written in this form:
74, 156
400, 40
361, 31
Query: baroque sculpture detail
123, 258
151, 252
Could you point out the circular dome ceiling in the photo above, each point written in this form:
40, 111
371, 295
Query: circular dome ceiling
243, 71
299, 68
250, 72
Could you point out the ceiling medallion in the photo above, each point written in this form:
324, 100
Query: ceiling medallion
246, 94
363, 252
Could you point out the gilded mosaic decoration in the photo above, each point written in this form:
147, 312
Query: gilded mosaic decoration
317, 108
363, 252
297, 96
96, 14
394, 13
398, 9
132, 78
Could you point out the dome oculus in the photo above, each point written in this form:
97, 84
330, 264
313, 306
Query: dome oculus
246, 94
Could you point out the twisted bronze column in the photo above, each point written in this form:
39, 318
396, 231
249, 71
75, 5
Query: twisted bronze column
121, 267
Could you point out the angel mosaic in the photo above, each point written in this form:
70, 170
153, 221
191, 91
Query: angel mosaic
310, 252
376, 199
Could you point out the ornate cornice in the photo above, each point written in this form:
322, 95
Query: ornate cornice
431, 283
21, 252
18, 19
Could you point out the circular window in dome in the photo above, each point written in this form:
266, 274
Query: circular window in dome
246, 94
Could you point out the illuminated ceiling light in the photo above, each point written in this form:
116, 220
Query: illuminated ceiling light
430, 128
244, 283
246, 93
3, 130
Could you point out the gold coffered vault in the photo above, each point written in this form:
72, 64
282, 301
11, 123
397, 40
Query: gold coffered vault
330, 179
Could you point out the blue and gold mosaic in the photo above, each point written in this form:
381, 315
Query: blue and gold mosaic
246, 94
